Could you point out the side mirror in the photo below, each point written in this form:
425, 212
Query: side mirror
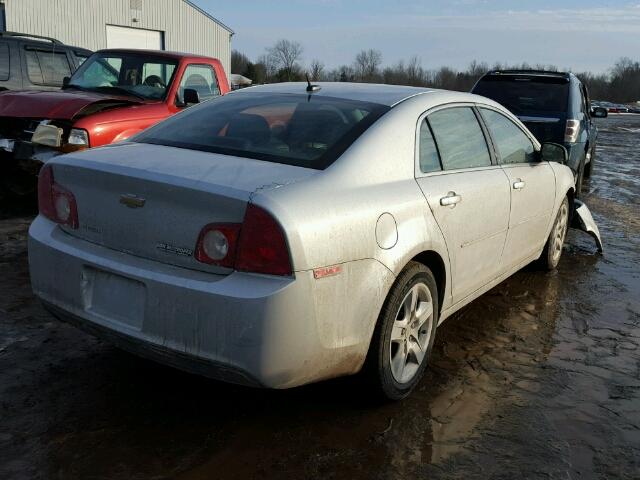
553, 152
65, 82
190, 96
599, 112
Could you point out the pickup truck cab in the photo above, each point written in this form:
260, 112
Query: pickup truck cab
113, 95
554, 106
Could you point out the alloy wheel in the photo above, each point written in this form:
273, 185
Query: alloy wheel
411, 332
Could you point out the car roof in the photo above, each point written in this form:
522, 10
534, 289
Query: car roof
156, 53
389, 95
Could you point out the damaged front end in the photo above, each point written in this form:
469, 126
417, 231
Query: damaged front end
583, 220
27, 143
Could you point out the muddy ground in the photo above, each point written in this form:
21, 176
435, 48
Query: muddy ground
539, 378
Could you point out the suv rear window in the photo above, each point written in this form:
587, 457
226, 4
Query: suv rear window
302, 130
523, 94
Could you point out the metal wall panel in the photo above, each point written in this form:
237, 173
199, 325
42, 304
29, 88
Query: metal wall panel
83, 23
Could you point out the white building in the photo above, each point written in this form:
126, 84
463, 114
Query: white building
176, 25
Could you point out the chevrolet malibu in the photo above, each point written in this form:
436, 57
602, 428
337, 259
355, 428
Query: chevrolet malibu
291, 233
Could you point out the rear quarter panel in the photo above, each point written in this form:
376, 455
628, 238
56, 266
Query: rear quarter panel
331, 218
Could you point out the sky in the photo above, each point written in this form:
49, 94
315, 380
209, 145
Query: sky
571, 34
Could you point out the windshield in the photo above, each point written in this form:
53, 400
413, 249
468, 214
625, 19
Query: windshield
302, 130
139, 75
526, 95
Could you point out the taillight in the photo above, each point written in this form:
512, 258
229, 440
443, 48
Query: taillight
54, 201
262, 247
217, 244
571, 131
257, 245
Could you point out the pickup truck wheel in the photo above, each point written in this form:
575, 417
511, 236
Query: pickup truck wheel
553, 248
404, 335
588, 168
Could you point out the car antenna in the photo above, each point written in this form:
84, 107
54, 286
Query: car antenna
311, 88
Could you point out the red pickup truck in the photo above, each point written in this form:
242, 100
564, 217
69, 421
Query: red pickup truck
113, 95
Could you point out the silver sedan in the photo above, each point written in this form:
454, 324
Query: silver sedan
286, 234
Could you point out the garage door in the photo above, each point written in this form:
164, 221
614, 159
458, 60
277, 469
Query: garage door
127, 37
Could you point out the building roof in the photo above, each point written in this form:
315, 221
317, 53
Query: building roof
365, 92
206, 14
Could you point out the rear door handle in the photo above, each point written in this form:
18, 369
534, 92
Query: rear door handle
450, 200
518, 184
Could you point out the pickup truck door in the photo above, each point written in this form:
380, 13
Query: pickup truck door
467, 193
532, 184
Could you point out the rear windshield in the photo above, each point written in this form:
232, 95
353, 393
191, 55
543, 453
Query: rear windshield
525, 95
302, 130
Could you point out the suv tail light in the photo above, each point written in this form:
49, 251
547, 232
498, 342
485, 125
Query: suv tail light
571, 131
54, 201
257, 245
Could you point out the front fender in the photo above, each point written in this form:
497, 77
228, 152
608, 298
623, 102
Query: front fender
126, 134
583, 220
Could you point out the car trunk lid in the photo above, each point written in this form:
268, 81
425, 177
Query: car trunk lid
152, 201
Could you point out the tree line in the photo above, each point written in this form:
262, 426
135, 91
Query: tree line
283, 62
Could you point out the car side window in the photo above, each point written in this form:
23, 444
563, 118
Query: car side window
428, 152
4, 61
47, 67
459, 138
512, 143
202, 79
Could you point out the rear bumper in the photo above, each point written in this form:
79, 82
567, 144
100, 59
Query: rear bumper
158, 353
259, 330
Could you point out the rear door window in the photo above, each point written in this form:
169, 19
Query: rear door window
4, 62
428, 152
459, 138
47, 67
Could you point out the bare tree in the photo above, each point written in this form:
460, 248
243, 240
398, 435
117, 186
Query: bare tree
316, 70
285, 55
239, 62
366, 64
266, 65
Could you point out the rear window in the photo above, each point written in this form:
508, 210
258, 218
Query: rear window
524, 95
302, 130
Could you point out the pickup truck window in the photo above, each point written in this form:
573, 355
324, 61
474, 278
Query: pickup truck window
138, 75
202, 79
4, 61
47, 66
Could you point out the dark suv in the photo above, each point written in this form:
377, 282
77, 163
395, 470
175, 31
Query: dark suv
31, 62
554, 106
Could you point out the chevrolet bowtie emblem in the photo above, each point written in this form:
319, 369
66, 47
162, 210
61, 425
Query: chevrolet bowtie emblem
132, 201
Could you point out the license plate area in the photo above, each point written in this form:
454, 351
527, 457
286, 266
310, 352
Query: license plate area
113, 297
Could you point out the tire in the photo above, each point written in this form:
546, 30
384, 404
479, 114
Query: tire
401, 344
553, 248
588, 168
